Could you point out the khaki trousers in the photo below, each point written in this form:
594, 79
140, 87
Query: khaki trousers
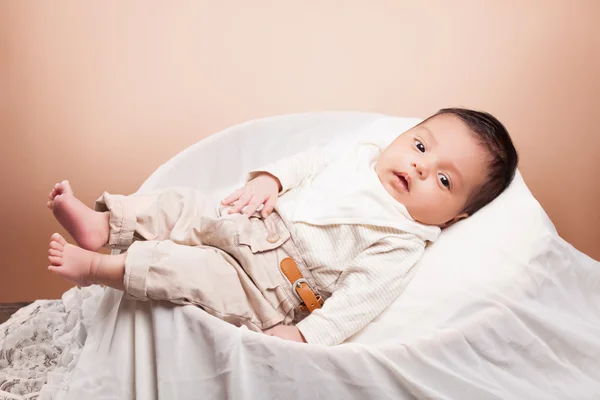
180, 250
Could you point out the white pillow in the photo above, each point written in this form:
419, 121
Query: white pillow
475, 257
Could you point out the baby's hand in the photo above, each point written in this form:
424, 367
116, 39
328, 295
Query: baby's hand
262, 190
286, 332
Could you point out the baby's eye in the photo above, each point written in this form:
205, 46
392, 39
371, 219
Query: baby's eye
420, 146
445, 181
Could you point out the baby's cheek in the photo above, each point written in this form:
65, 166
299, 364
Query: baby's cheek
432, 208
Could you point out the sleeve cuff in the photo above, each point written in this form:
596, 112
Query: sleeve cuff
316, 331
284, 179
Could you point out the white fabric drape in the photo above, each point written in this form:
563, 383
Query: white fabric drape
512, 314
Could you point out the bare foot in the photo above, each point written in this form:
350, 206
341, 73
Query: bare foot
71, 262
89, 228
84, 267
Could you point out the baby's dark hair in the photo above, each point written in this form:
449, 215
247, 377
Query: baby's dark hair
494, 137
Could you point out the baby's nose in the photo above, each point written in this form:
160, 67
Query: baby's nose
420, 169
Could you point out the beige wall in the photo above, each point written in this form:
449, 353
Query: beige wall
103, 93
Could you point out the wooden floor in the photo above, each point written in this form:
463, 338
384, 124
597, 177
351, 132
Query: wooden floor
7, 309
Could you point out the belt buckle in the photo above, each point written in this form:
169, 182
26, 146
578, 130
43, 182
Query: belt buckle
302, 306
295, 285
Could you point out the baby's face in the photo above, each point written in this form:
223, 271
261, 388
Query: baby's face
433, 168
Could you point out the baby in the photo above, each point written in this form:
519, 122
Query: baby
312, 248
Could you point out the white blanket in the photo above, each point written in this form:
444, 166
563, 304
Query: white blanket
500, 320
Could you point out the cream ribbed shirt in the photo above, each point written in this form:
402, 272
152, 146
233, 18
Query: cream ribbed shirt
359, 243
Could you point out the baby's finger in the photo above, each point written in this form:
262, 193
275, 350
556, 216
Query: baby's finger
241, 203
232, 197
269, 205
252, 206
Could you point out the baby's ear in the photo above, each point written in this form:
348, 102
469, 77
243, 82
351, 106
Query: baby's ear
454, 220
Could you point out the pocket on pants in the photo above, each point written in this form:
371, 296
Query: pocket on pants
262, 239
263, 234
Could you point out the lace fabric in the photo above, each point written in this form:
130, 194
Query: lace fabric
40, 344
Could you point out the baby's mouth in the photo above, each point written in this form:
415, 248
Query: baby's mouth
402, 181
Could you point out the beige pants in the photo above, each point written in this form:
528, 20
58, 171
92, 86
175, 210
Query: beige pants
180, 250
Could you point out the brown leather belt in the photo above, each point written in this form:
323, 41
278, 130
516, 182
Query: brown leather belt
310, 300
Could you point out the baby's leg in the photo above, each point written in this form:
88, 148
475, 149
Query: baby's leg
179, 214
203, 276
199, 275
89, 228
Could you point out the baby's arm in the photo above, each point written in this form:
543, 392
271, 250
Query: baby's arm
265, 184
364, 290
294, 170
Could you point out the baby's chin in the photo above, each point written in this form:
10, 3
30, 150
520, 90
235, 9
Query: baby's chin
430, 223
439, 222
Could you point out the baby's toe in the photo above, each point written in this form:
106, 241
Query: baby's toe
54, 252
54, 260
57, 238
65, 187
54, 193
